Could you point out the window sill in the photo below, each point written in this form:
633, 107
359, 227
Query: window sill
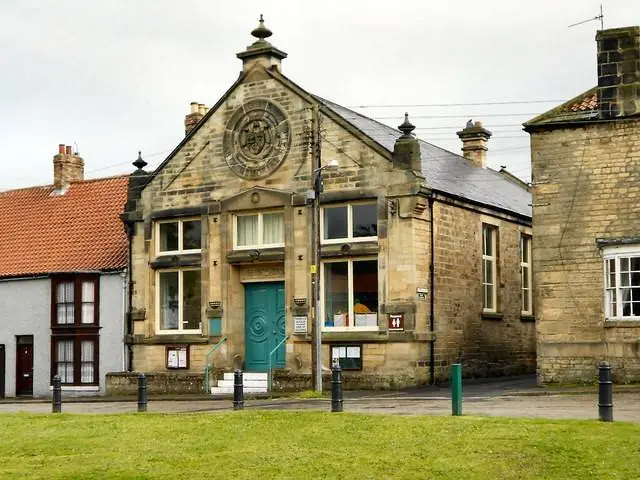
352, 335
492, 316
178, 260
631, 323
349, 249
527, 318
256, 255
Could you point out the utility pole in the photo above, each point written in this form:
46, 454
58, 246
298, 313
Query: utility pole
316, 178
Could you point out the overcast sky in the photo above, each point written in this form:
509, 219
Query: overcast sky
116, 76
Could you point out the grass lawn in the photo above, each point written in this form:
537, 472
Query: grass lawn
262, 445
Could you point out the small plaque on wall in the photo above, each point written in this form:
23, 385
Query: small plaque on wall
396, 322
178, 356
300, 324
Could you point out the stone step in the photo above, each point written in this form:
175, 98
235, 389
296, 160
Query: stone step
248, 376
229, 390
245, 383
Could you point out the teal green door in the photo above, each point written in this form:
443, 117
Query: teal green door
264, 325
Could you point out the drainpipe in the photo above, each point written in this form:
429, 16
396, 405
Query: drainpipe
432, 352
129, 332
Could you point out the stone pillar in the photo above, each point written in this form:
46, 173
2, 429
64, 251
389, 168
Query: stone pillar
406, 150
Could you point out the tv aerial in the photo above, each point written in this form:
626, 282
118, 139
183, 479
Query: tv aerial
597, 17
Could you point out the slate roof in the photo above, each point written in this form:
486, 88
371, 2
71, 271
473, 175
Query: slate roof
446, 171
582, 108
44, 232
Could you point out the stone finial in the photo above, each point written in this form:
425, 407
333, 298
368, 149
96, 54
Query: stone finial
406, 127
406, 150
139, 163
261, 32
261, 52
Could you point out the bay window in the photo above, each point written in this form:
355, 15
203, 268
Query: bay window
75, 329
350, 294
349, 223
259, 230
622, 282
179, 301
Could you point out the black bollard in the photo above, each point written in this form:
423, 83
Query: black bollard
605, 392
56, 401
238, 394
142, 392
336, 388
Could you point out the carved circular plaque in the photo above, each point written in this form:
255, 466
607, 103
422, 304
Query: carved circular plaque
256, 139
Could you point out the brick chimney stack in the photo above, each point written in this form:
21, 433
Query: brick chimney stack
198, 110
67, 167
618, 72
474, 142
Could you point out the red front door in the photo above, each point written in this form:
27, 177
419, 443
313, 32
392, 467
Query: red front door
24, 366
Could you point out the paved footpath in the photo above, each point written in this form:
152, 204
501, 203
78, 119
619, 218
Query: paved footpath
517, 397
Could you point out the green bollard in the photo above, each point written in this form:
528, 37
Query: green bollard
456, 389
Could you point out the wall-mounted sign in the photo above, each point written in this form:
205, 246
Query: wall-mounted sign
396, 322
422, 293
300, 324
178, 356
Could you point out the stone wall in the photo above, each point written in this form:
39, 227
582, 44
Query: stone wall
586, 186
486, 345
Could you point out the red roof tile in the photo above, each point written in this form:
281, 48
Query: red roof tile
586, 103
80, 230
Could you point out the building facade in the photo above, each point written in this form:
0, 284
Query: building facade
420, 249
586, 221
62, 282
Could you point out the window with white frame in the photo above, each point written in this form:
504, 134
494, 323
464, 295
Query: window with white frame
349, 223
178, 236
622, 282
259, 230
350, 294
489, 268
525, 274
179, 301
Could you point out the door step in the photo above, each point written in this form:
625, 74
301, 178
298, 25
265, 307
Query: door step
252, 382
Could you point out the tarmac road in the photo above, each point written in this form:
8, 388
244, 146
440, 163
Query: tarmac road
507, 397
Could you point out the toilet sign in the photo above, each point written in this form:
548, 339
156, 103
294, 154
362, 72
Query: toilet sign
396, 322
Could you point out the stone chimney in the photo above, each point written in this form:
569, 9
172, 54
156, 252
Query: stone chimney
67, 167
406, 150
198, 111
474, 142
261, 52
618, 72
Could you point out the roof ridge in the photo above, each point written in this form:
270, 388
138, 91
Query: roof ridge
558, 108
73, 182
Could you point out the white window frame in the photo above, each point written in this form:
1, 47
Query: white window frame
180, 330
615, 253
349, 237
493, 258
321, 308
180, 249
525, 269
260, 243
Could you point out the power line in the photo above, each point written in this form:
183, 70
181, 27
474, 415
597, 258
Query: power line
521, 102
456, 116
